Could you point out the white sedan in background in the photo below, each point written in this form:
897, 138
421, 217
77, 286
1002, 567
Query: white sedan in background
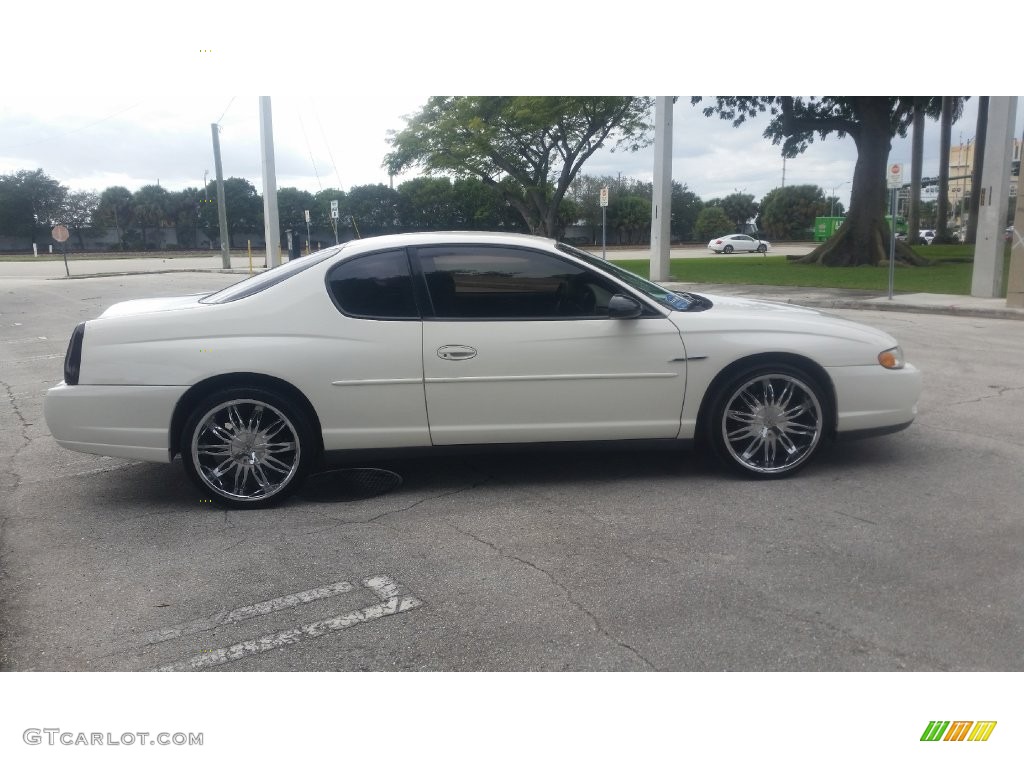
739, 243
421, 341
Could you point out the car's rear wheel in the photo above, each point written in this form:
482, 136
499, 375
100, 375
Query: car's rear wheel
727, 249
768, 421
248, 447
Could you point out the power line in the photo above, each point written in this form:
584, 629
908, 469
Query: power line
226, 109
327, 144
73, 130
309, 149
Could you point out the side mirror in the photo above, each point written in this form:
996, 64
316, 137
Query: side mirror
624, 307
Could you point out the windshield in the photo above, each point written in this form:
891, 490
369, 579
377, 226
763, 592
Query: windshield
653, 291
264, 280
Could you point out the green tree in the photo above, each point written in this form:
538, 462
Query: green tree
740, 208
585, 193
686, 207
373, 210
151, 209
871, 121
115, 210
292, 205
30, 203
630, 216
78, 213
788, 212
183, 211
243, 205
712, 222
482, 207
530, 148
426, 204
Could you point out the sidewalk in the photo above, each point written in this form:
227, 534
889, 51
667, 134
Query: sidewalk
829, 298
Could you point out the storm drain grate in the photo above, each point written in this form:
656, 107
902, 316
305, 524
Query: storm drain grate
349, 484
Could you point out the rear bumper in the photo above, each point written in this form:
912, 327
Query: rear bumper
121, 421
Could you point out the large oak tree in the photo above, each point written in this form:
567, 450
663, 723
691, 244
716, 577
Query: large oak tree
528, 148
872, 122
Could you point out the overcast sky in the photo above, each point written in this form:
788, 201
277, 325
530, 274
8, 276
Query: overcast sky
131, 106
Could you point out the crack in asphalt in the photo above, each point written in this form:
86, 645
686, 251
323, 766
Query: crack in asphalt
1000, 391
568, 593
447, 494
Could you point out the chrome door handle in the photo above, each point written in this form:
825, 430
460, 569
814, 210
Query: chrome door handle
456, 352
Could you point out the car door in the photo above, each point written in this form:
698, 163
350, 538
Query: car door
375, 373
518, 347
745, 243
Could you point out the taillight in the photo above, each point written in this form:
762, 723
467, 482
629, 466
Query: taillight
718, 242
73, 358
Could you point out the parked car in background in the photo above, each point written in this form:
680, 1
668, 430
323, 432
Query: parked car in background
429, 341
926, 236
739, 243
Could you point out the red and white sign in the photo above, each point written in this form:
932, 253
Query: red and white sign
604, 197
60, 233
895, 176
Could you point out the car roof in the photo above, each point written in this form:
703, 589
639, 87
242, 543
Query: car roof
445, 238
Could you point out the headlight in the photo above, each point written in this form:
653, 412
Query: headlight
891, 358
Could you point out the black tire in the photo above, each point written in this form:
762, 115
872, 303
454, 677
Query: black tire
762, 248
727, 249
768, 421
259, 447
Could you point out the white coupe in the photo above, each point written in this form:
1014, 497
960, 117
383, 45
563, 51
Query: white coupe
463, 339
738, 243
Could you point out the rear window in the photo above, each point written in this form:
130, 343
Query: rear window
271, 277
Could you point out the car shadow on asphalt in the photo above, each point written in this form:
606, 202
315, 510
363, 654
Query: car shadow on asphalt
141, 486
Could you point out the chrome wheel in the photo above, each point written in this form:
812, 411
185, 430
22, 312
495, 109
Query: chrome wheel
245, 450
771, 424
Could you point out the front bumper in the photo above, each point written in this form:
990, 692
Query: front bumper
874, 399
122, 421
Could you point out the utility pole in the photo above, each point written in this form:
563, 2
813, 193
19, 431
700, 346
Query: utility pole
222, 209
661, 208
272, 229
993, 198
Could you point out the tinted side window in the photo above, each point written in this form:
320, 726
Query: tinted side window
377, 286
493, 282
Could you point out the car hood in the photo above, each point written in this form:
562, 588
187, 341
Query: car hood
146, 306
731, 313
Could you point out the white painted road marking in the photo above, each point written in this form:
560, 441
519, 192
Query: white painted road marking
382, 586
246, 612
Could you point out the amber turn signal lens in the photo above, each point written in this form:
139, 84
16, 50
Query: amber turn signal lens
891, 358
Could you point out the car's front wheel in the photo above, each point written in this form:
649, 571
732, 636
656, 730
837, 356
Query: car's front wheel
768, 421
762, 248
248, 447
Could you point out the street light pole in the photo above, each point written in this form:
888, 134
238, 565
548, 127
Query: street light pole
832, 212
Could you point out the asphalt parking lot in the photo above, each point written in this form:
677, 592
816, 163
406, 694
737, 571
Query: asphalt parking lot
899, 553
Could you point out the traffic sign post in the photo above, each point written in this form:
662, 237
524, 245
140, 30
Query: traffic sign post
60, 234
604, 222
894, 180
307, 233
334, 219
